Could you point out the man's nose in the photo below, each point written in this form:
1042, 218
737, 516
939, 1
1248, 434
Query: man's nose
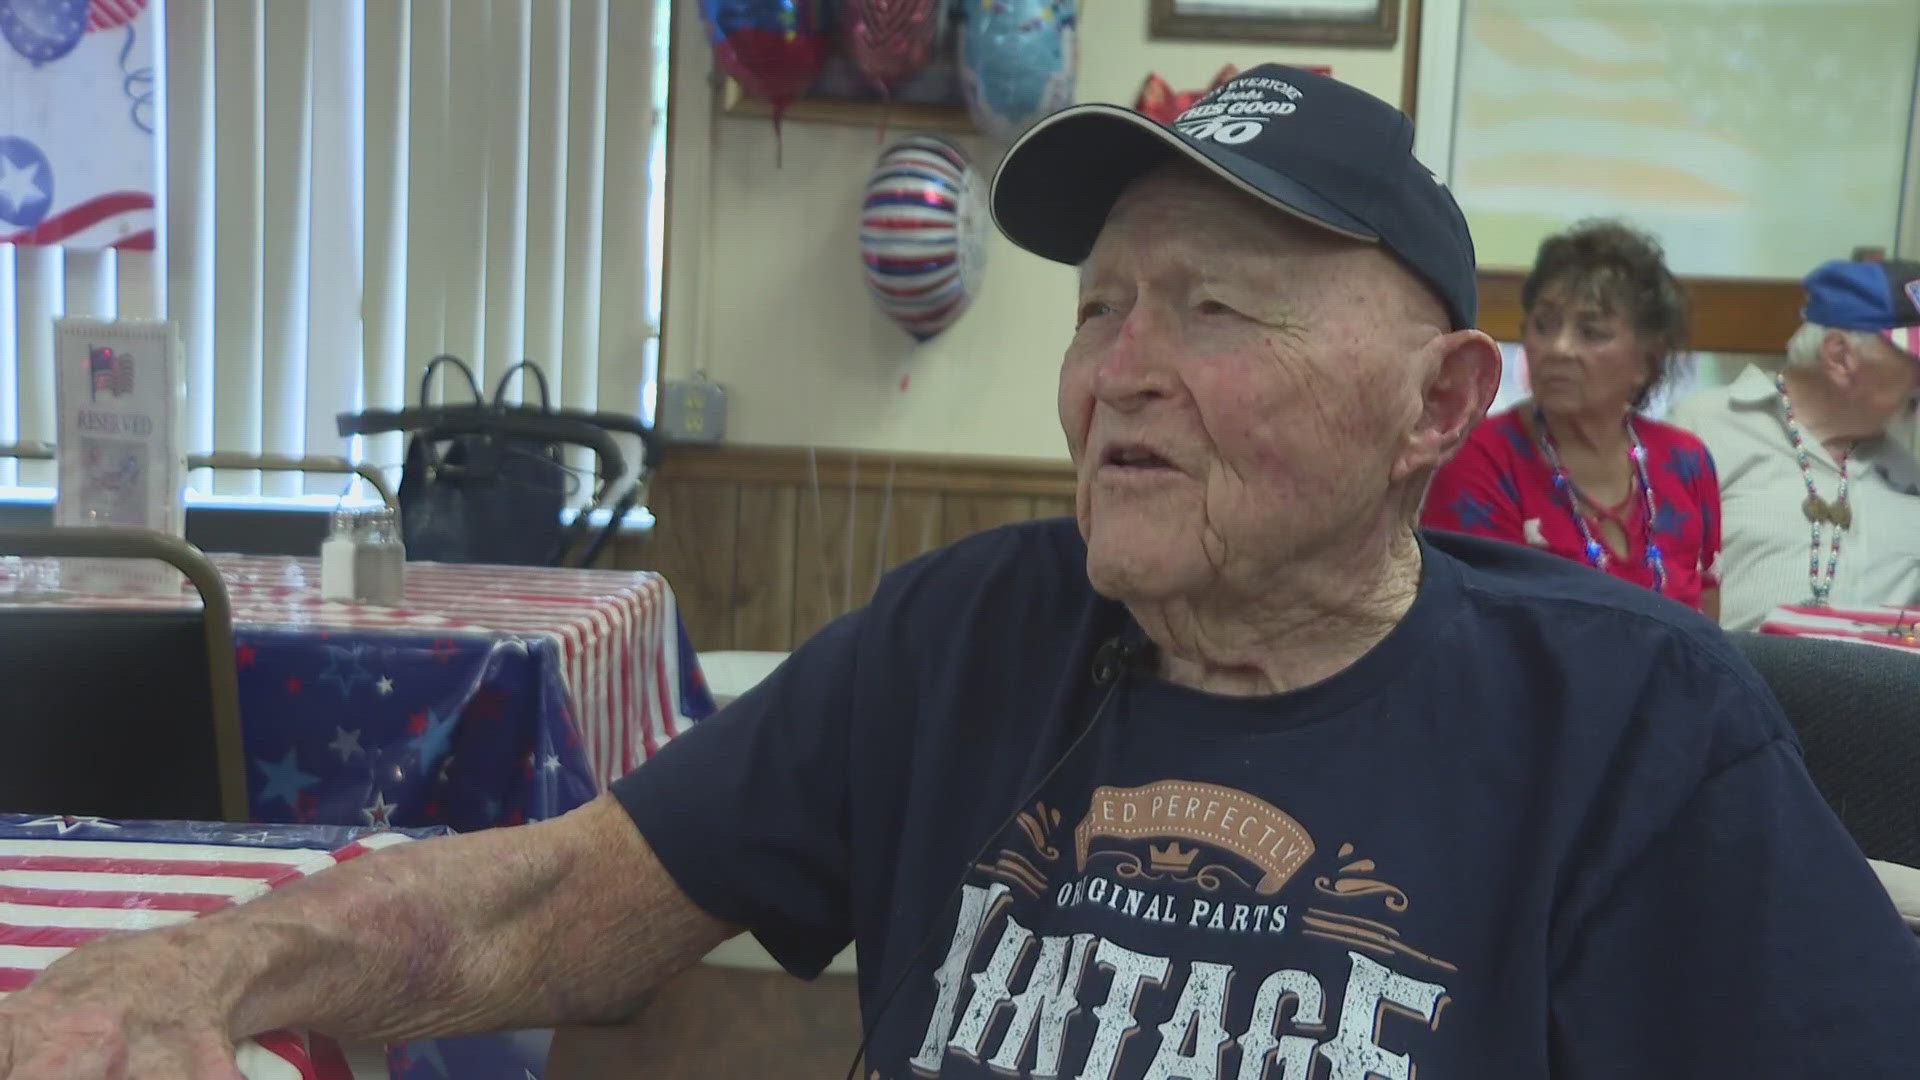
1136, 365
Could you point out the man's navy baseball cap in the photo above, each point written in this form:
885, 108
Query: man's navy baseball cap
1883, 297
1314, 147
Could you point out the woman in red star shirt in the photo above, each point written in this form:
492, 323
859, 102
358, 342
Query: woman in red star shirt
1574, 470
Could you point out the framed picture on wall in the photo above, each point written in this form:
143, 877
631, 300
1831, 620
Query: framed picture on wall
1338, 22
929, 101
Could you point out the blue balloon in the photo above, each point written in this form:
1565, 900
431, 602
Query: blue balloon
1017, 61
43, 30
723, 17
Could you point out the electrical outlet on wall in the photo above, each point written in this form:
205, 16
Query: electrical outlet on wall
692, 411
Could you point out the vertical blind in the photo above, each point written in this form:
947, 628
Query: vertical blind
354, 186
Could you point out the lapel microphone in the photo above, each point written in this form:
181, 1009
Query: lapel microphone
1125, 653
1121, 653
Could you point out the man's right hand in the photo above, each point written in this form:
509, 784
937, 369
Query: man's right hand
567, 921
120, 1009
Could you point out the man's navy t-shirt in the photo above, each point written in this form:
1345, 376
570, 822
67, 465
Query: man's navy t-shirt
1551, 824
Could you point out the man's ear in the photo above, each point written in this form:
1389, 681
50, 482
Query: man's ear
1462, 376
1837, 359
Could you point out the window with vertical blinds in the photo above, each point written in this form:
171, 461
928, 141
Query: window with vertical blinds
354, 186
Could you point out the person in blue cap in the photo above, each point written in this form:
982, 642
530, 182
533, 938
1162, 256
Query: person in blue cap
1235, 774
1817, 457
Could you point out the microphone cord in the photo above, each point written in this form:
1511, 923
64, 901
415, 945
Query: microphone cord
1110, 667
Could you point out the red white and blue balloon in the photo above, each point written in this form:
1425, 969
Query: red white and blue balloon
773, 47
43, 31
923, 232
1017, 62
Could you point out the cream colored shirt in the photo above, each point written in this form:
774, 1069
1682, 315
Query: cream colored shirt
1765, 537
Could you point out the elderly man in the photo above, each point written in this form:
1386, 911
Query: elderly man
1239, 777
1816, 453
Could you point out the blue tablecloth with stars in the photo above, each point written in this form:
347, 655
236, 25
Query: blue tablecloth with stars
355, 718
487, 696
467, 730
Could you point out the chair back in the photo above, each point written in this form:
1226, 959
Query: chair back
119, 712
1857, 709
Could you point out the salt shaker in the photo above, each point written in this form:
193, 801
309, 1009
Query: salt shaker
339, 579
380, 558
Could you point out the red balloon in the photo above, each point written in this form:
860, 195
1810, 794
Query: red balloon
773, 48
889, 40
776, 67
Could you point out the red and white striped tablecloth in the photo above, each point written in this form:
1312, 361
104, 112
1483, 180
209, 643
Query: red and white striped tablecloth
617, 632
59, 894
1886, 626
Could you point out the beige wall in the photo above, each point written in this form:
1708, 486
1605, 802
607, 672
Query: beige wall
764, 285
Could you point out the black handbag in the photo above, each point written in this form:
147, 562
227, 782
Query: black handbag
484, 493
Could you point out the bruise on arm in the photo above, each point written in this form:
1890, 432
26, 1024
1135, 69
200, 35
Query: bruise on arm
568, 921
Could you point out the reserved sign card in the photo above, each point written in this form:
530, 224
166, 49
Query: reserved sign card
121, 393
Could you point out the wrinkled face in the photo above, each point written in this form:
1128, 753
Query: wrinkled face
1885, 378
1582, 358
1237, 392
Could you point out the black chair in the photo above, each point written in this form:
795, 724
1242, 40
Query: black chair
1857, 709
120, 712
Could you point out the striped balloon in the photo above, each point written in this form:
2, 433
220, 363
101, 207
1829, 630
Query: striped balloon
923, 234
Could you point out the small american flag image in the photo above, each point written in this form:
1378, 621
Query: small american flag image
112, 372
61, 888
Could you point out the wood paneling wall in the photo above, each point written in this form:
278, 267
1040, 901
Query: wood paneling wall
1739, 315
764, 546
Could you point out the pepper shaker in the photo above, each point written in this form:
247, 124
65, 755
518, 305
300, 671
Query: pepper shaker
380, 558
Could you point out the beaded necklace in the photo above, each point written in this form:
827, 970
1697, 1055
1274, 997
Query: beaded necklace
1596, 551
1819, 512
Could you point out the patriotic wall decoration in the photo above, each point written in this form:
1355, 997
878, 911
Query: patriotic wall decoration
79, 157
923, 234
1161, 101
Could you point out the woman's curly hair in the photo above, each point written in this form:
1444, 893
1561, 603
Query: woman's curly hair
1618, 268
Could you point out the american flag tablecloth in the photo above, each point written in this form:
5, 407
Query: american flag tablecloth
630, 673
1887, 626
65, 881
346, 706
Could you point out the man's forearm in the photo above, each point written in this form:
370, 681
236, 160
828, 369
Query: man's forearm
568, 921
